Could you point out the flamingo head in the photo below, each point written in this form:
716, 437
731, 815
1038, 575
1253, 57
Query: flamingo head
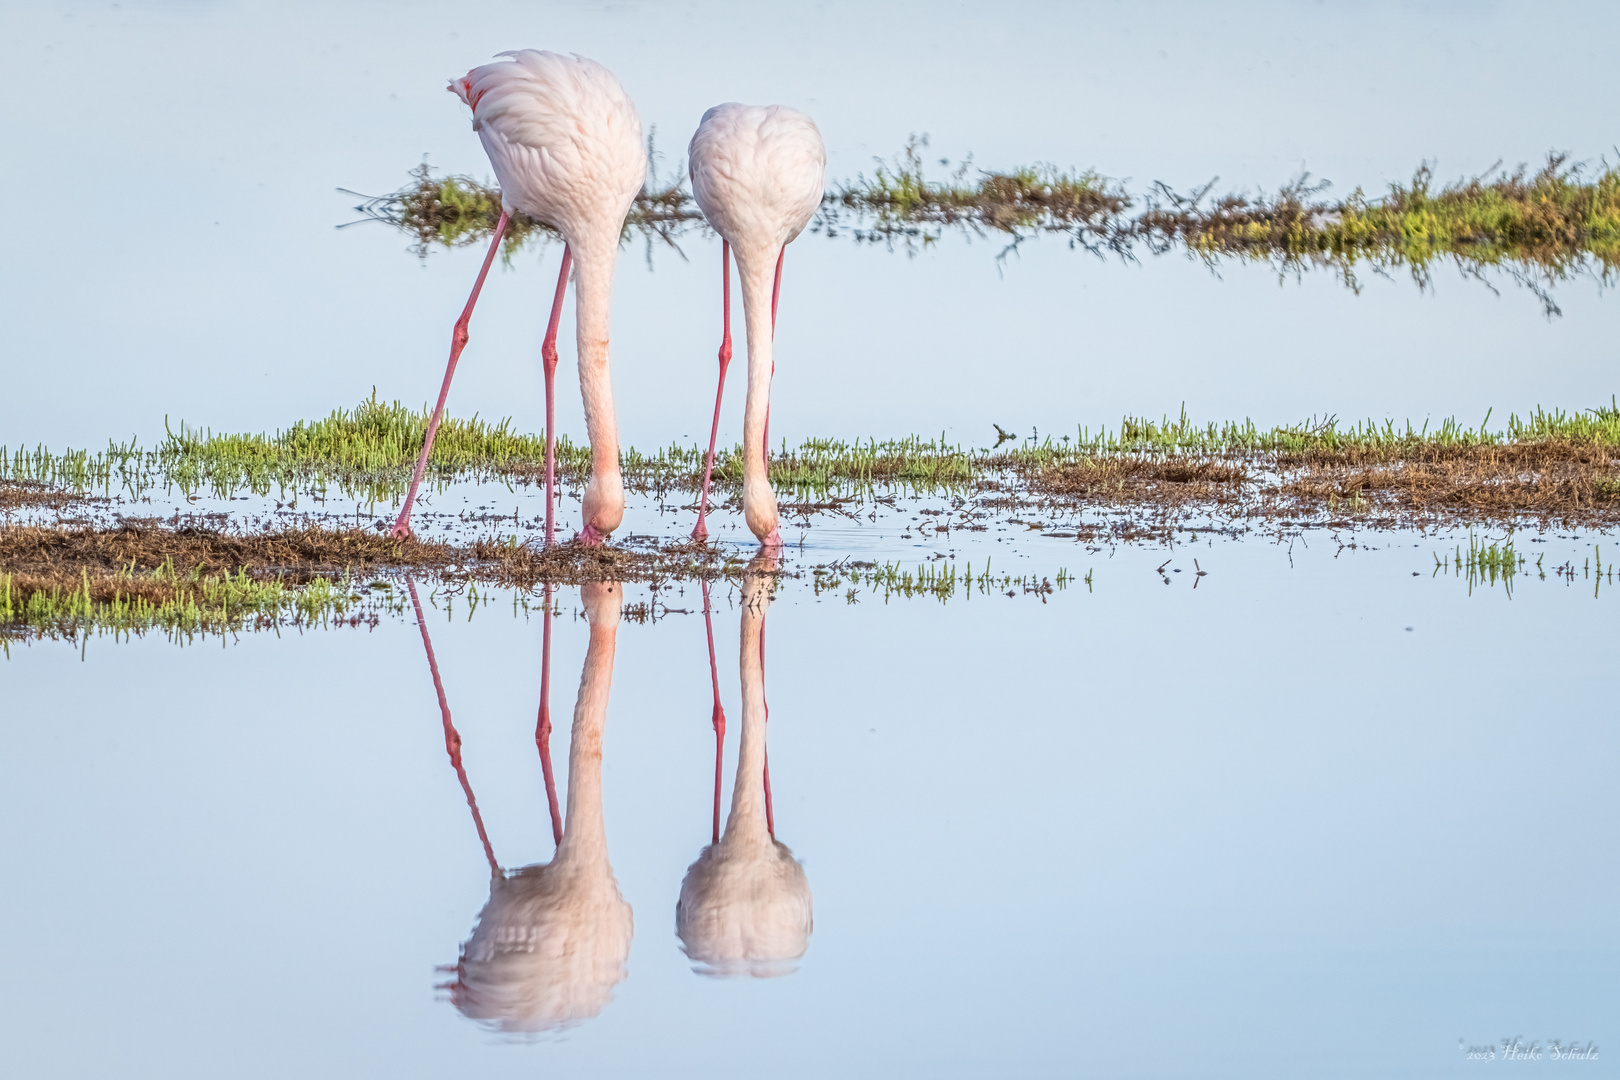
463, 89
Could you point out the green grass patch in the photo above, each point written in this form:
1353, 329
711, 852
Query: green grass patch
1538, 226
368, 452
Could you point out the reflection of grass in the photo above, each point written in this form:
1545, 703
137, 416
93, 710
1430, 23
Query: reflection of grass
937, 578
1484, 563
1539, 227
183, 604
1549, 224
454, 211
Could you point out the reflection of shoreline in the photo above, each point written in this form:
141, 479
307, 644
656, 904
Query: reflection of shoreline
550, 944
1537, 229
745, 906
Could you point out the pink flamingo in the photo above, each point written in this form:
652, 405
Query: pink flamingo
745, 906
551, 943
565, 142
758, 173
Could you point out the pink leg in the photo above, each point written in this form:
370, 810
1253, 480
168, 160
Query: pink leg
542, 731
701, 530
458, 341
718, 717
452, 738
548, 356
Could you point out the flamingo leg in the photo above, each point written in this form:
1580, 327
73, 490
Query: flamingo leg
718, 717
458, 341
452, 738
701, 530
548, 357
542, 730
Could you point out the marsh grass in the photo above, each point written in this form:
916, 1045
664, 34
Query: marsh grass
456, 211
1538, 227
190, 582
1551, 464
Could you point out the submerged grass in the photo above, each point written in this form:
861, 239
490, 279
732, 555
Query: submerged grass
1540, 226
1485, 563
938, 578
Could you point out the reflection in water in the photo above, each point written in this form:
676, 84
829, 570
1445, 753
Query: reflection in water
551, 943
745, 903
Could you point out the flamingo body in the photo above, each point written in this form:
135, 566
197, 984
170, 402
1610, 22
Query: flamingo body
745, 905
758, 172
552, 942
565, 143
564, 140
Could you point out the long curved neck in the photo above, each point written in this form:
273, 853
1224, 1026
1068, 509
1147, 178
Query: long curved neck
755, 269
594, 258
747, 822
585, 831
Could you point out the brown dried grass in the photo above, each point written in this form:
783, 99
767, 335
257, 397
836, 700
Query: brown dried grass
160, 564
17, 494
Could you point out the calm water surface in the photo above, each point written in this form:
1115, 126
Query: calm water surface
1317, 816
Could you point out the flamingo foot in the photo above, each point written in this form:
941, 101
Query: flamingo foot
591, 536
700, 532
400, 531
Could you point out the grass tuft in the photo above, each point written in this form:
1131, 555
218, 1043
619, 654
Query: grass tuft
1539, 227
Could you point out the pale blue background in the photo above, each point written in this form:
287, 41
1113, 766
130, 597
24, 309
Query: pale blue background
171, 248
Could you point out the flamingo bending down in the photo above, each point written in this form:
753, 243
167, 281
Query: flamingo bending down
551, 943
758, 172
745, 905
565, 142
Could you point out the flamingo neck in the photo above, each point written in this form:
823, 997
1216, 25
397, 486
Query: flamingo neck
585, 828
756, 269
593, 294
746, 823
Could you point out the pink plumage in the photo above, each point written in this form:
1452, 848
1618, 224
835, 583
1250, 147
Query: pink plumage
758, 172
563, 137
565, 142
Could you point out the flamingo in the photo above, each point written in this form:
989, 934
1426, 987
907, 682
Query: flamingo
551, 943
758, 172
565, 142
745, 905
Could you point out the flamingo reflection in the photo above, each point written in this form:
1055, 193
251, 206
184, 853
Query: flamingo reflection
745, 906
551, 943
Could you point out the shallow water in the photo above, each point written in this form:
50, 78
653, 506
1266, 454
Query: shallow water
1323, 814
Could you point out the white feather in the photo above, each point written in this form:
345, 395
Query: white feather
758, 172
563, 137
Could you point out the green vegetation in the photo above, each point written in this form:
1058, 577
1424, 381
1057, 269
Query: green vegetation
367, 453
183, 605
937, 578
1539, 228
1484, 563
